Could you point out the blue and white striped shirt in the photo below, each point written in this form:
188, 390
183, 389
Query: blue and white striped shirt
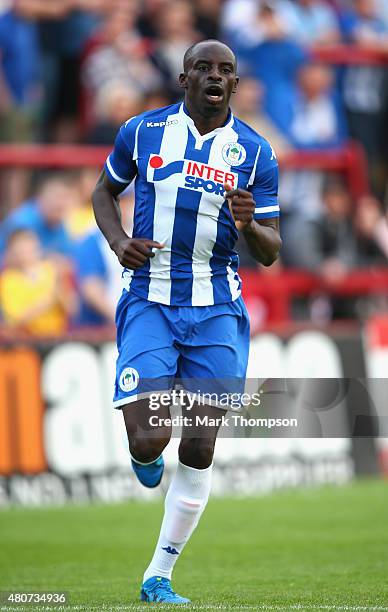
179, 201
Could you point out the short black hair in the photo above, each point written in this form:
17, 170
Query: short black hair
188, 56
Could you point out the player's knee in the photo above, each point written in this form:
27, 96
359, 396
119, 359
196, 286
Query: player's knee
147, 450
197, 452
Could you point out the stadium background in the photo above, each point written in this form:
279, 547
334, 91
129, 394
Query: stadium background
314, 82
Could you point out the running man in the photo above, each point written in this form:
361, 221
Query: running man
202, 176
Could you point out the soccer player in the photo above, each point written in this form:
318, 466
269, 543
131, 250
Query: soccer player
201, 176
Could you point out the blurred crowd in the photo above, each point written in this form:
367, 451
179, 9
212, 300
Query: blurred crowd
71, 71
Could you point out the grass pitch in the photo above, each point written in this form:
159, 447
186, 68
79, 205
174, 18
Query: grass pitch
315, 549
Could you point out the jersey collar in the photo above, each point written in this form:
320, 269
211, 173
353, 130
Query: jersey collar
201, 137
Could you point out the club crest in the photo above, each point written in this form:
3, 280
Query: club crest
129, 379
234, 154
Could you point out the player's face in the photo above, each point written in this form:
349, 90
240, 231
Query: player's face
210, 78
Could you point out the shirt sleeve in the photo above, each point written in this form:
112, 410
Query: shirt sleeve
120, 165
264, 187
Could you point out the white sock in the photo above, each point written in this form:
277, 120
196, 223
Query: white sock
185, 501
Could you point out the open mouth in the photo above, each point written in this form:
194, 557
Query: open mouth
214, 93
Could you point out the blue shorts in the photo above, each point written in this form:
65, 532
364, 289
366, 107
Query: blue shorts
160, 346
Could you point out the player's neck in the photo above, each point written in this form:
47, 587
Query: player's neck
207, 123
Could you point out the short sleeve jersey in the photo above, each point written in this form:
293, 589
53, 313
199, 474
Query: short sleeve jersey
179, 201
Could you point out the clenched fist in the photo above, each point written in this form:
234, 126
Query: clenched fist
241, 206
133, 253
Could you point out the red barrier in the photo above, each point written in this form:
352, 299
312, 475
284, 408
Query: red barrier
279, 289
351, 54
276, 289
52, 156
350, 160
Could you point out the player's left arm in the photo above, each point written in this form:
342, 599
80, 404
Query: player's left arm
262, 235
256, 210
263, 240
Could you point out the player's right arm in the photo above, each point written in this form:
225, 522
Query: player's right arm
120, 169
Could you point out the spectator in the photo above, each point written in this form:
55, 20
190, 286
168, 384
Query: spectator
35, 294
148, 18
19, 75
264, 23
343, 236
98, 278
45, 215
156, 99
336, 250
115, 103
80, 220
328, 248
310, 22
122, 56
365, 87
318, 120
247, 105
382, 10
329, 245
235, 13
64, 26
371, 227
20, 93
208, 17
99, 274
363, 24
176, 32
265, 52
239, 20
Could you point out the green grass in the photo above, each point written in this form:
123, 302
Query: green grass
313, 549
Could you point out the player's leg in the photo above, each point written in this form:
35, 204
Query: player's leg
185, 502
188, 493
146, 442
146, 364
217, 350
197, 444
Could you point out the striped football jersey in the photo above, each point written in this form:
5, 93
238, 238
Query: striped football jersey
179, 201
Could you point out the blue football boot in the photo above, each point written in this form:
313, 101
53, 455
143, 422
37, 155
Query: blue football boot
159, 590
150, 474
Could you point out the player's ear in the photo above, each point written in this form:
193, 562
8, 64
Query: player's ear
236, 80
182, 80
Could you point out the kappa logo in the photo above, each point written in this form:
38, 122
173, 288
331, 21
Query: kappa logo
152, 124
234, 154
129, 379
172, 551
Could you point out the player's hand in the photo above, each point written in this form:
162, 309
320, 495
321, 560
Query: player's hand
241, 206
133, 253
